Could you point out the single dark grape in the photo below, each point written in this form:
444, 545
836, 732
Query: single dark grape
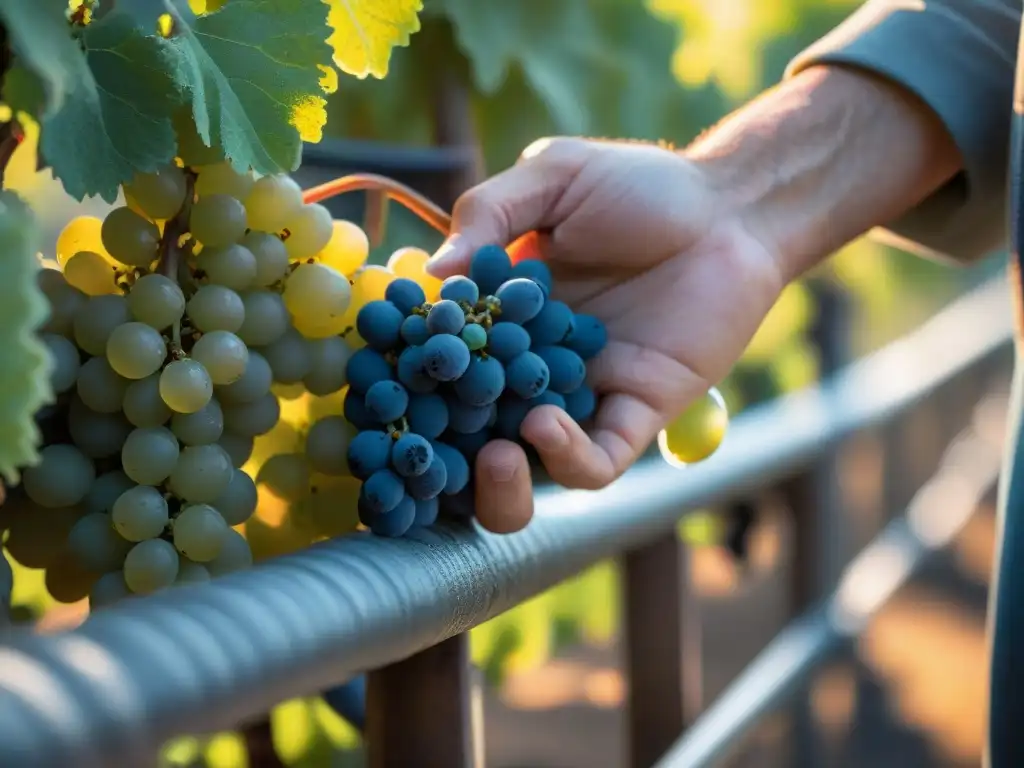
405, 294
489, 268
382, 491
380, 324
395, 522
550, 325
447, 357
412, 371
459, 288
482, 383
456, 466
386, 401
414, 330
507, 341
369, 452
536, 270
527, 375
580, 403
470, 444
521, 300
426, 512
466, 418
587, 336
365, 368
446, 317
427, 414
430, 483
356, 413
411, 454
567, 369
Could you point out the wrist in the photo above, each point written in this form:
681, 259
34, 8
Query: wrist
822, 159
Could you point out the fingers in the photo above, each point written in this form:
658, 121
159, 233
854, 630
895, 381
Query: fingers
510, 204
623, 428
504, 492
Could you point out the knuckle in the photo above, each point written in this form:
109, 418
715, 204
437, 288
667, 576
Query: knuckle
557, 151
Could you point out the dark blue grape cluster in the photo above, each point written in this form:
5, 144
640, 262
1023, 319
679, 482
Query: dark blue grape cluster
436, 382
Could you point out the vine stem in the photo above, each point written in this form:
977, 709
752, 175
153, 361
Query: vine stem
427, 210
169, 255
170, 252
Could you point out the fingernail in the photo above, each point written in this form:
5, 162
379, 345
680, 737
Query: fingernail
502, 472
446, 253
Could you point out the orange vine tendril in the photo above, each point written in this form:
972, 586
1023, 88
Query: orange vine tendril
430, 212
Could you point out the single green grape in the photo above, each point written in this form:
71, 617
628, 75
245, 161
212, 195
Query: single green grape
475, 336
696, 433
159, 194
151, 565
185, 386
199, 532
130, 238
217, 220
140, 513
156, 301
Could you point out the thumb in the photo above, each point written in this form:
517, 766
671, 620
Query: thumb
512, 203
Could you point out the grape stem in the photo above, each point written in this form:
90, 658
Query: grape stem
171, 251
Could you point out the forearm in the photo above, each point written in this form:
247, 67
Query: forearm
823, 158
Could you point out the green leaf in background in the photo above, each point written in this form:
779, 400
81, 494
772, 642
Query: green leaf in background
533, 68
116, 119
24, 363
253, 69
39, 34
366, 31
566, 56
146, 13
23, 91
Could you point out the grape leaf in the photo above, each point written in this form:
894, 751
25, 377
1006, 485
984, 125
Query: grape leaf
39, 34
253, 71
117, 118
26, 364
365, 32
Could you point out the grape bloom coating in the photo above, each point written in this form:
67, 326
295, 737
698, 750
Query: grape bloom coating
438, 380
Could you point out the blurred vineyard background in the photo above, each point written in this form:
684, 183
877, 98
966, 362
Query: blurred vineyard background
642, 69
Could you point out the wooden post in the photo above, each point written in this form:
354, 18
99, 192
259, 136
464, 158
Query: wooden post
662, 643
813, 497
420, 711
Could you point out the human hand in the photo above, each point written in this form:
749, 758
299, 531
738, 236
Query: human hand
637, 236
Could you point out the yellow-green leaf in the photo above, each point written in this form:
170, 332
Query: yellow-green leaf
365, 31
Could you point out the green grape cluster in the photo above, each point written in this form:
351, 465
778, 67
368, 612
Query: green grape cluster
178, 327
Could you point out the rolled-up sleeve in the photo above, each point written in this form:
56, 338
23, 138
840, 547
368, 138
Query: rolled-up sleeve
959, 57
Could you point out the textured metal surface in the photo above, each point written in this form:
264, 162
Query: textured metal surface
205, 657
